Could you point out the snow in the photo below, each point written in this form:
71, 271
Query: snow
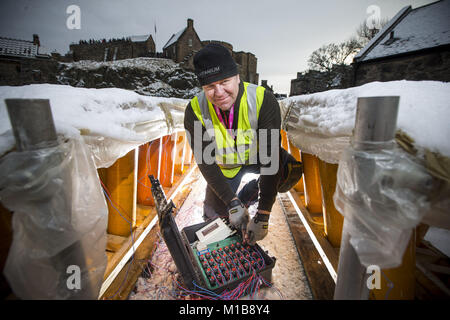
322, 123
422, 28
174, 38
381, 33
140, 38
16, 47
146, 64
122, 116
319, 123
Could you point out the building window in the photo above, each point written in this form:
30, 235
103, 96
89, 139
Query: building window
173, 49
190, 42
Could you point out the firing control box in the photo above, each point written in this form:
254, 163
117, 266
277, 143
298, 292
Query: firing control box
227, 263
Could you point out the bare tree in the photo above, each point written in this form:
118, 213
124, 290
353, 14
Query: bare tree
330, 55
365, 34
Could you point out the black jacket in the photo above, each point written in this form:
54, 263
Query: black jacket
269, 118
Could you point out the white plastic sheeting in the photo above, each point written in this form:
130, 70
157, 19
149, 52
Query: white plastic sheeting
59, 222
382, 195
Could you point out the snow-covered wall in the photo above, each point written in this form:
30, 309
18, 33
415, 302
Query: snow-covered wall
322, 123
111, 121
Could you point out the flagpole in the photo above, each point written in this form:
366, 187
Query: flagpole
156, 50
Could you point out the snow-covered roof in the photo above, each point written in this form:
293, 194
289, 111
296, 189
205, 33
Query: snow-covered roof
140, 38
174, 38
17, 48
411, 30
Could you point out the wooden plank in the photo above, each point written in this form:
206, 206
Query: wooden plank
114, 243
117, 266
435, 286
320, 281
427, 289
125, 281
6, 236
142, 212
313, 221
138, 231
438, 268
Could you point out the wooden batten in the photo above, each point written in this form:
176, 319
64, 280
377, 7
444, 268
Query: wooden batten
125, 268
167, 161
188, 154
333, 220
120, 182
284, 140
147, 165
399, 283
311, 180
180, 149
295, 152
6, 236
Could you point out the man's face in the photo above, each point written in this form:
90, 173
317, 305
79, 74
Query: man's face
223, 93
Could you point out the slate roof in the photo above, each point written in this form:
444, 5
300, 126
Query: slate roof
17, 48
140, 38
174, 38
411, 30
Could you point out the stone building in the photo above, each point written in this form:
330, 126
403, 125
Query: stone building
414, 45
265, 85
183, 45
311, 81
25, 62
247, 66
114, 49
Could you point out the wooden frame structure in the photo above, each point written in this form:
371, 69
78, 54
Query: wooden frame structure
168, 158
316, 227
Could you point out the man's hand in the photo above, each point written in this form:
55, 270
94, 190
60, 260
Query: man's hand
238, 215
257, 228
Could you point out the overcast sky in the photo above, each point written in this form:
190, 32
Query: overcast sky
282, 34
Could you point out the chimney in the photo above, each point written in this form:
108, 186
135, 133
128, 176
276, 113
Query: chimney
36, 40
190, 23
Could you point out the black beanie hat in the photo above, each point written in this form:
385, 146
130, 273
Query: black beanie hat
213, 63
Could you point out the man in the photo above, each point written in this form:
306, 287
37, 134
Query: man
236, 124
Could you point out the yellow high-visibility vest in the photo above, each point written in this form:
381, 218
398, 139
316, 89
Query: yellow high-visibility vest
232, 153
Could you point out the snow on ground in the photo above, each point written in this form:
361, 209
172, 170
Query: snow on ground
322, 123
288, 277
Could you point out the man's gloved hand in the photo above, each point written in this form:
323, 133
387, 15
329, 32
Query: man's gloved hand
238, 215
257, 228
